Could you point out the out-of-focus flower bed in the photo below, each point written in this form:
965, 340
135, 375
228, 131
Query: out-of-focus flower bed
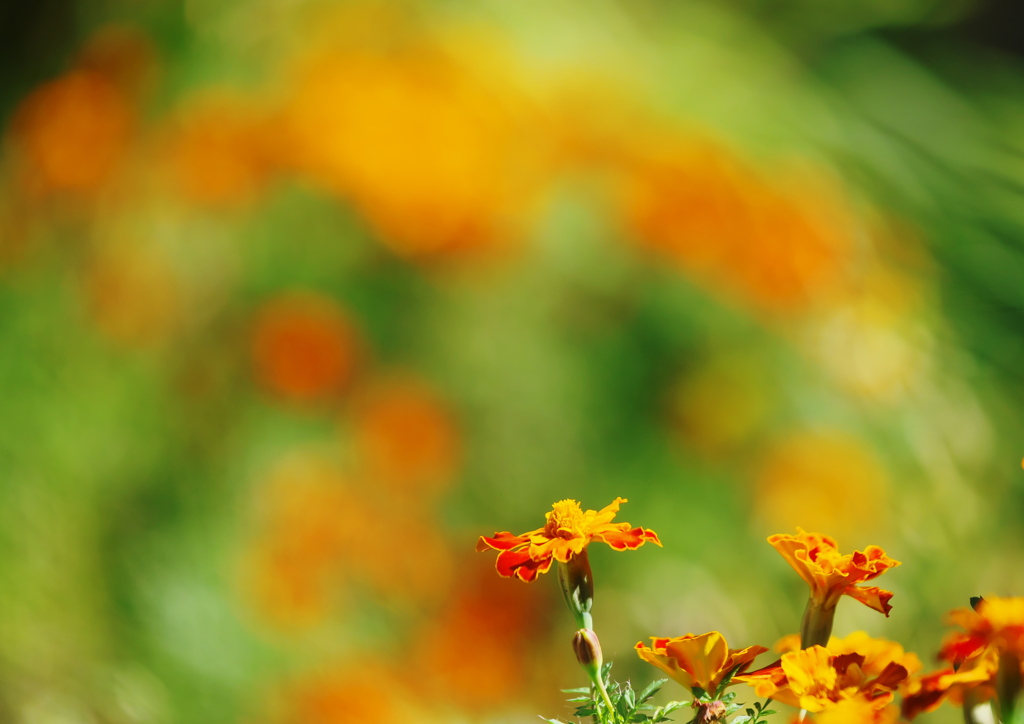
298, 297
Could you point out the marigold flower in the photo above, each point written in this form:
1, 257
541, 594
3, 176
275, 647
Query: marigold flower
877, 653
997, 622
702, 661
985, 659
975, 675
567, 532
830, 576
815, 679
858, 711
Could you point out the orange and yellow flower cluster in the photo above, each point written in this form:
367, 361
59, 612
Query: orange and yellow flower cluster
851, 680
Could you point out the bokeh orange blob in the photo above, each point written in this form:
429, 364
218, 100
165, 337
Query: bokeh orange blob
222, 150
434, 160
478, 649
406, 437
304, 524
364, 693
771, 245
825, 480
304, 347
74, 131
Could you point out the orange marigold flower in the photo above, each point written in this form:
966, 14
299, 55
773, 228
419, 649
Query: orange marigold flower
568, 531
997, 622
985, 659
830, 576
815, 679
973, 677
702, 661
877, 653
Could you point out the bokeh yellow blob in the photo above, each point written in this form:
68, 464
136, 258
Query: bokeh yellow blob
825, 481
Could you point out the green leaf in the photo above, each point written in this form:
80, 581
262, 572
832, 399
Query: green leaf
579, 690
651, 689
576, 699
740, 719
768, 712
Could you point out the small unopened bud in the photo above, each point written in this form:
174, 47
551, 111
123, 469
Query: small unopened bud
588, 649
709, 712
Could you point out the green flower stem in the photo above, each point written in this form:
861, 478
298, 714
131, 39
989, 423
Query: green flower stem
587, 648
1008, 684
816, 626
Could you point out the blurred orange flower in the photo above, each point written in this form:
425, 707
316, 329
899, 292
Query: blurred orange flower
221, 150
304, 347
568, 531
74, 131
997, 622
435, 160
303, 528
369, 692
817, 680
832, 575
772, 245
406, 437
702, 661
504, 624
971, 675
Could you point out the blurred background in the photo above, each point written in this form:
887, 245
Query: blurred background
298, 298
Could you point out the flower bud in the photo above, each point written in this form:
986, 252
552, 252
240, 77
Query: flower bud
577, 584
588, 649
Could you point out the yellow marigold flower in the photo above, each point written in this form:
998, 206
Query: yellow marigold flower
817, 680
877, 653
858, 711
567, 532
702, 661
831, 575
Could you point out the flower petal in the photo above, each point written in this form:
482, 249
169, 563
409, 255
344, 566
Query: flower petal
520, 565
503, 541
656, 656
872, 597
625, 538
703, 656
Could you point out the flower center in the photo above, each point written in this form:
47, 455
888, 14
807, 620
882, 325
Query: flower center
565, 520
